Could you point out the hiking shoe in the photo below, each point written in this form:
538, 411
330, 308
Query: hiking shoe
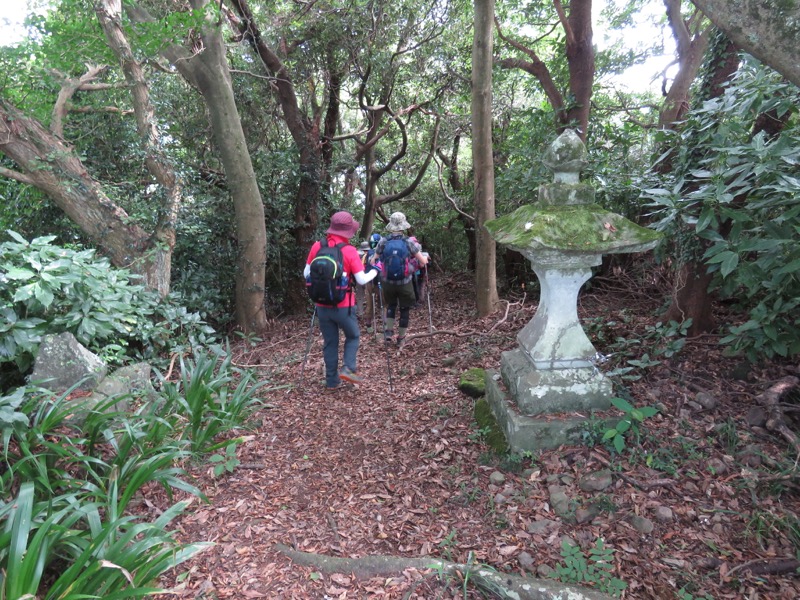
333, 388
349, 376
400, 342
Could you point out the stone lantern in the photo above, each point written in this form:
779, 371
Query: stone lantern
552, 372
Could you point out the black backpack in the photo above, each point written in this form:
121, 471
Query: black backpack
395, 258
326, 283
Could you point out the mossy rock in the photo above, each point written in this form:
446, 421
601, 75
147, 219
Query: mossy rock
473, 382
484, 417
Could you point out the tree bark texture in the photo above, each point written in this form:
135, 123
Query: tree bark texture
109, 14
208, 72
499, 585
50, 165
767, 29
483, 163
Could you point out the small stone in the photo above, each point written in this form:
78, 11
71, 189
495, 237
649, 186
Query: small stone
497, 478
596, 482
718, 528
706, 400
716, 466
559, 500
449, 361
499, 499
473, 382
756, 417
584, 515
545, 572
663, 514
525, 560
749, 457
694, 405
541, 526
642, 524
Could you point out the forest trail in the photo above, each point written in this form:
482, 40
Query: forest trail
361, 471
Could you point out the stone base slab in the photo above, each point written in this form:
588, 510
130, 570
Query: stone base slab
548, 391
526, 433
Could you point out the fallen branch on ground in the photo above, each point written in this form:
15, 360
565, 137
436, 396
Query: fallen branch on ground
770, 399
501, 585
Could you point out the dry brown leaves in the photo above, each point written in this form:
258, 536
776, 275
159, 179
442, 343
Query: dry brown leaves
364, 471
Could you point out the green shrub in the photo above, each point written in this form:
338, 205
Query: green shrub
732, 202
47, 289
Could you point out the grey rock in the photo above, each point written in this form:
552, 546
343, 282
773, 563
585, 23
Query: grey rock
642, 524
525, 560
663, 514
542, 526
597, 481
62, 362
497, 478
706, 400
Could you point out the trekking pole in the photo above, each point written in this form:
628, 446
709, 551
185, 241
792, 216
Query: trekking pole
308, 345
383, 333
428, 294
374, 319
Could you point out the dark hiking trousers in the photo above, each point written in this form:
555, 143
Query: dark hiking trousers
331, 322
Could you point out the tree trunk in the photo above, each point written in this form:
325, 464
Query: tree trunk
485, 271
50, 165
109, 13
690, 297
208, 72
690, 48
767, 30
580, 59
305, 132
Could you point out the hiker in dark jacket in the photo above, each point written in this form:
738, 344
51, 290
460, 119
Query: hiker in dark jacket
342, 317
396, 253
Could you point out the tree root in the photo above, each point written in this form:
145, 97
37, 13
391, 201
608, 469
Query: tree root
500, 585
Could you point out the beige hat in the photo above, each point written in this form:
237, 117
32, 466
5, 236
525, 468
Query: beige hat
397, 222
343, 224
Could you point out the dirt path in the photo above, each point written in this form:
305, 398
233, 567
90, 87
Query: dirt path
363, 471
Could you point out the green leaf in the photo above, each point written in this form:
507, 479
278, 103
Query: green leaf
622, 404
18, 274
619, 443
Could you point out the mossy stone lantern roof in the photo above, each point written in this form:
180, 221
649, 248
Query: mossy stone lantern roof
566, 218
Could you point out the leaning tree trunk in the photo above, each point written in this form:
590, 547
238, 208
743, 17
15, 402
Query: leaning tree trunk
485, 273
767, 30
208, 71
51, 166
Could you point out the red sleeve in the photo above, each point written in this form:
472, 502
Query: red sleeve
313, 252
352, 261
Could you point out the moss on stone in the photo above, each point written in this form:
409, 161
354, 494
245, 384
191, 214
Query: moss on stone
473, 382
583, 228
495, 438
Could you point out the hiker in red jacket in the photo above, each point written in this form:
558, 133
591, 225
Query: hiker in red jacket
342, 316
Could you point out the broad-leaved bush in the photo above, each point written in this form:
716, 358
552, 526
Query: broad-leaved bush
48, 289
